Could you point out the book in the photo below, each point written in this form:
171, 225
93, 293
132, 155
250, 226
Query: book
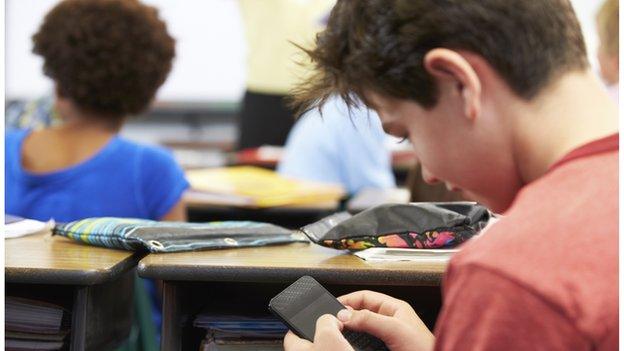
232, 326
22, 345
249, 186
239, 333
34, 325
241, 345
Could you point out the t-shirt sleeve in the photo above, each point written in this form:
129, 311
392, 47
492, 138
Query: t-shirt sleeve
162, 182
484, 310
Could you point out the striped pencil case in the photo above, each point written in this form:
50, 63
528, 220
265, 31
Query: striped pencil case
145, 235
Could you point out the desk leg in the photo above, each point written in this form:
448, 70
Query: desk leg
79, 319
172, 319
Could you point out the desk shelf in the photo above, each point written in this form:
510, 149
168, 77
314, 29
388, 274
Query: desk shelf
244, 280
95, 284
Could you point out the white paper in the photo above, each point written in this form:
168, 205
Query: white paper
26, 227
382, 254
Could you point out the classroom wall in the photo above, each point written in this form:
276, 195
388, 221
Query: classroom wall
211, 49
586, 11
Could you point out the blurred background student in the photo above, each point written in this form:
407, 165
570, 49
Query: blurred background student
272, 27
107, 59
607, 24
340, 147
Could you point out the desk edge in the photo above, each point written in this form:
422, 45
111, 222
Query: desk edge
70, 276
284, 275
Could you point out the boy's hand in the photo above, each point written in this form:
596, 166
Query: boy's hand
392, 320
389, 319
328, 337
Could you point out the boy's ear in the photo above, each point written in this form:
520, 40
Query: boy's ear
446, 64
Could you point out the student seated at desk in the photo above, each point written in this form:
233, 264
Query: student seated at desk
338, 147
107, 59
498, 100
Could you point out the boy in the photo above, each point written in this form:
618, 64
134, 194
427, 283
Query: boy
107, 59
498, 101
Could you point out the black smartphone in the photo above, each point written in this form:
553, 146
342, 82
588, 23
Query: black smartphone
304, 301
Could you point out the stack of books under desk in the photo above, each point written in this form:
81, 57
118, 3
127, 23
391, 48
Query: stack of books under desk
35, 325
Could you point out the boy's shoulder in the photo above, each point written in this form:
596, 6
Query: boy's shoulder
569, 209
558, 241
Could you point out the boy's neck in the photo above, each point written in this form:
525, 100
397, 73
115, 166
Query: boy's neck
570, 113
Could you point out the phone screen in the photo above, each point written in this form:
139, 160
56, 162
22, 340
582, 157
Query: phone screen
302, 303
305, 320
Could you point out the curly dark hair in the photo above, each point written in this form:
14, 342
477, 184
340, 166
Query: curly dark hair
107, 56
379, 45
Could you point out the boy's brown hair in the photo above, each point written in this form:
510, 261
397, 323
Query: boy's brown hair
608, 19
379, 45
108, 56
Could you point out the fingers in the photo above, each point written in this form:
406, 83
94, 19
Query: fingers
328, 335
373, 301
394, 332
294, 343
385, 328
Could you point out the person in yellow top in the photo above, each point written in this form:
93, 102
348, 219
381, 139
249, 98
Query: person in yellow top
275, 64
607, 21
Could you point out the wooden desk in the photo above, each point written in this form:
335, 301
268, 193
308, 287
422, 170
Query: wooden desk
243, 280
95, 284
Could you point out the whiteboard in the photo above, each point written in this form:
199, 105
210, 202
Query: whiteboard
210, 50
210, 62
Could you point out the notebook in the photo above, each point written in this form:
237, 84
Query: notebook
34, 325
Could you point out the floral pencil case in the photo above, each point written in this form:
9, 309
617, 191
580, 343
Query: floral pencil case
424, 225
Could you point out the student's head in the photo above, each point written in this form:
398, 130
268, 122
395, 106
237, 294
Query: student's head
442, 72
608, 31
107, 58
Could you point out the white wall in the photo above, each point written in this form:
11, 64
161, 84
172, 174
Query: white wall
586, 11
210, 49
210, 60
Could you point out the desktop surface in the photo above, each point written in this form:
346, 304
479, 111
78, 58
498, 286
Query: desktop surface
285, 263
47, 259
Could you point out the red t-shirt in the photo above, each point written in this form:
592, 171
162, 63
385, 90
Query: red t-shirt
545, 277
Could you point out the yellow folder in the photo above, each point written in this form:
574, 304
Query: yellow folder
257, 187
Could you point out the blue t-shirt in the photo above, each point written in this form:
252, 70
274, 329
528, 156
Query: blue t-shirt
124, 179
338, 148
